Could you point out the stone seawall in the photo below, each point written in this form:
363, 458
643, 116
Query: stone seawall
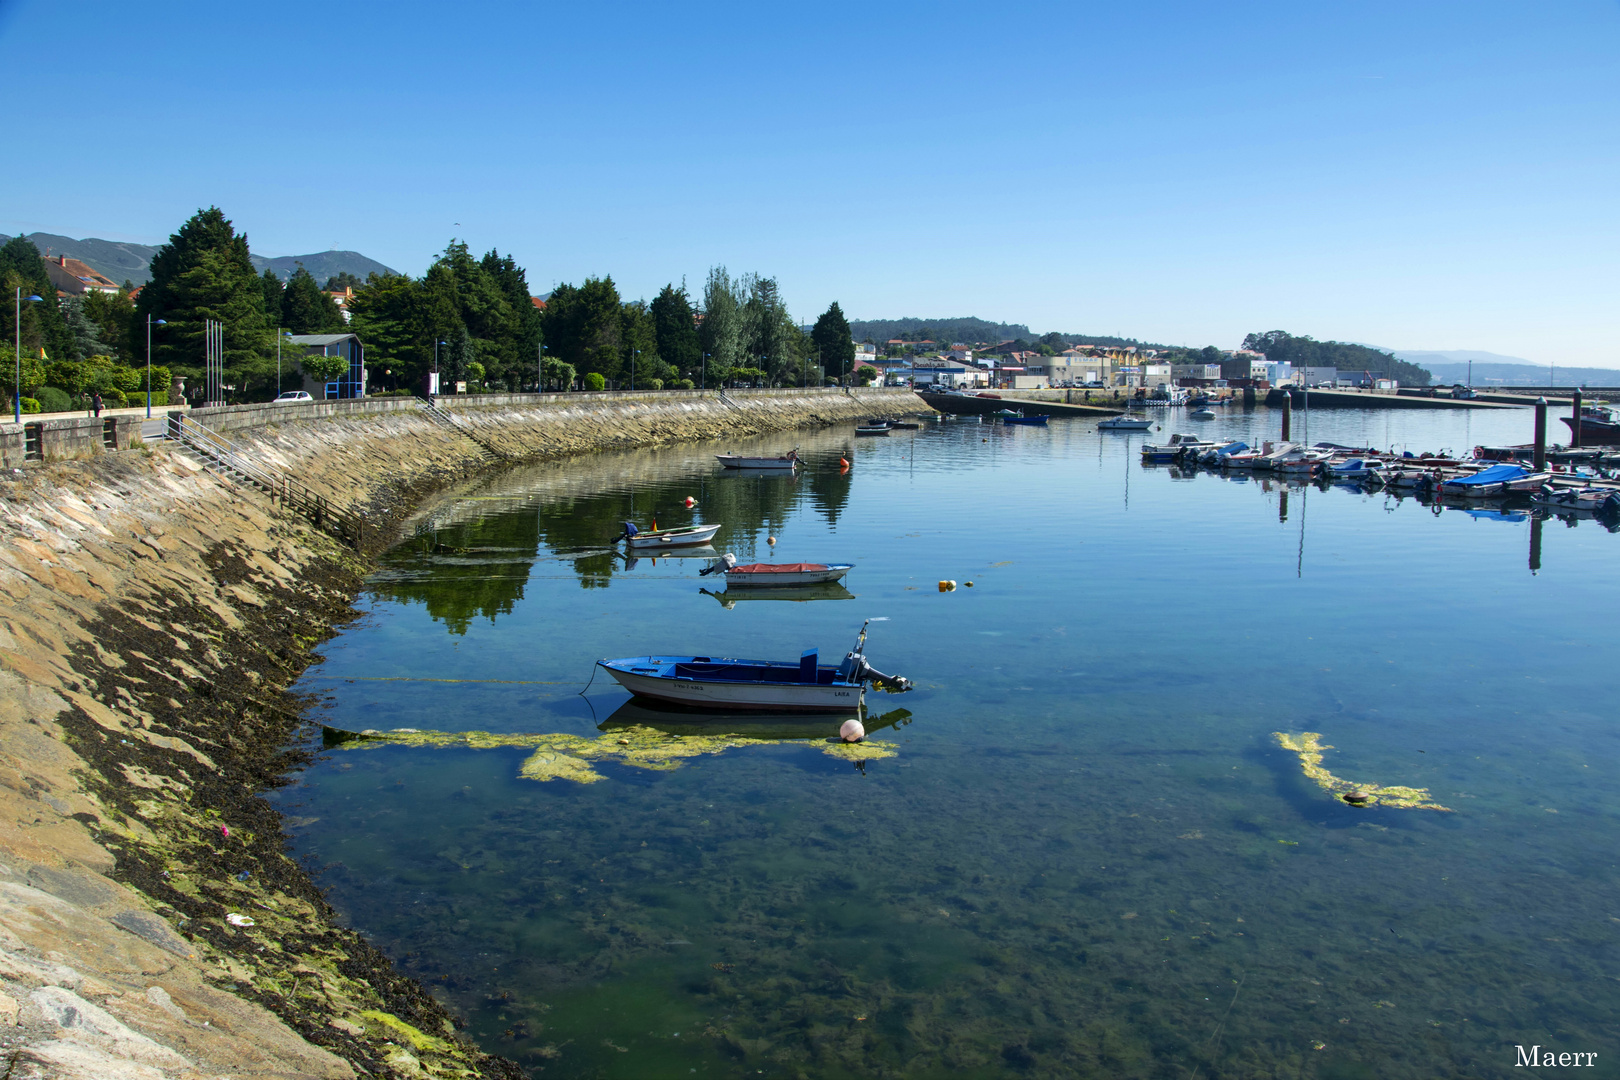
153, 616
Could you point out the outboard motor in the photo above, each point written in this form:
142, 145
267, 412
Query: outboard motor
720, 565
630, 531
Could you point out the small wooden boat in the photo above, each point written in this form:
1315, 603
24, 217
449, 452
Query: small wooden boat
775, 574
1124, 423
685, 536
742, 461
773, 685
871, 429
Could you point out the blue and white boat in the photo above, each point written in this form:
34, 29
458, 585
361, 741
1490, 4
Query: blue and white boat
1495, 481
1354, 469
720, 682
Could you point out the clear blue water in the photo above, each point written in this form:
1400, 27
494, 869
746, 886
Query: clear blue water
1088, 855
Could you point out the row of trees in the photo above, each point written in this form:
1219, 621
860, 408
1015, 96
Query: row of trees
1305, 351
471, 319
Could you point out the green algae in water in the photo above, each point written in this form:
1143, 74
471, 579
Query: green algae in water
1309, 746
569, 757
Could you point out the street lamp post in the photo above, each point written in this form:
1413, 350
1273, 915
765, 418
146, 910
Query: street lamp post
150, 322
540, 371
703, 372
280, 333
16, 399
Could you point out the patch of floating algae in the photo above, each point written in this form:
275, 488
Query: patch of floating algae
559, 756
1309, 746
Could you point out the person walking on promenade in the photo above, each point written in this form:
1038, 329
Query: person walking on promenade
95, 404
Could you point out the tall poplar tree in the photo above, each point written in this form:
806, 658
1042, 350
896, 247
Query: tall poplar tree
721, 333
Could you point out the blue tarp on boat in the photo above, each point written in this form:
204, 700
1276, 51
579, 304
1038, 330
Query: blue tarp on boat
1496, 474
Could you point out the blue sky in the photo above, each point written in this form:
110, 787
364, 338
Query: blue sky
1416, 175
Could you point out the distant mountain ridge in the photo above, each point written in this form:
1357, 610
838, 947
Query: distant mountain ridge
1494, 369
122, 261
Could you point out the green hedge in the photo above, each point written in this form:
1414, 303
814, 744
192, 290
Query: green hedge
29, 405
52, 399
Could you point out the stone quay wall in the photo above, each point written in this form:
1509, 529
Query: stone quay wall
152, 617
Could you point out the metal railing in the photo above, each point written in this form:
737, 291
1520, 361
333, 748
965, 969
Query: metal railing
226, 458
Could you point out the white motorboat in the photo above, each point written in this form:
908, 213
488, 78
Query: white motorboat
685, 536
1201, 414
1180, 444
742, 461
1124, 423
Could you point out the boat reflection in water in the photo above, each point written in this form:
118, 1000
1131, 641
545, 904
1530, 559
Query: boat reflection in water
676, 720
831, 590
705, 552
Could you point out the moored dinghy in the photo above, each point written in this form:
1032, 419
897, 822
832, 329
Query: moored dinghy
685, 536
777, 685
789, 460
775, 575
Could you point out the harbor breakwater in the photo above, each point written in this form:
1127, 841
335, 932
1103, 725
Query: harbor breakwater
151, 923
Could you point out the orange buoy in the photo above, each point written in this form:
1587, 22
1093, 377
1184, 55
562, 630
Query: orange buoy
843, 462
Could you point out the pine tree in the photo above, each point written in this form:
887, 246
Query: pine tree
271, 284
583, 327
83, 332
833, 343
203, 273
676, 331
305, 309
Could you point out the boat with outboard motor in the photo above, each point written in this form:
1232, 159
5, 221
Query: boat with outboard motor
774, 575
1180, 446
776, 685
685, 535
1591, 500
1495, 481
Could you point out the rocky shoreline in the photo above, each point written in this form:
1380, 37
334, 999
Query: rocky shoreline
152, 924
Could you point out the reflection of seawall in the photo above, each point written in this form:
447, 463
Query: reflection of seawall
154, 616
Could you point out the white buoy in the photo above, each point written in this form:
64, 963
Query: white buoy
771, 540
852, 731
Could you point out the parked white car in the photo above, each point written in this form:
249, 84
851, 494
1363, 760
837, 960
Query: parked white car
293, 395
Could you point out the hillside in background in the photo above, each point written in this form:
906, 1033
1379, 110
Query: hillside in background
128, 262
1524, 375
1348, 357
322, 265
946, 331
117, 260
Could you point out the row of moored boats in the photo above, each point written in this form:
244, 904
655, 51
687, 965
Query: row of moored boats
1478, 477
